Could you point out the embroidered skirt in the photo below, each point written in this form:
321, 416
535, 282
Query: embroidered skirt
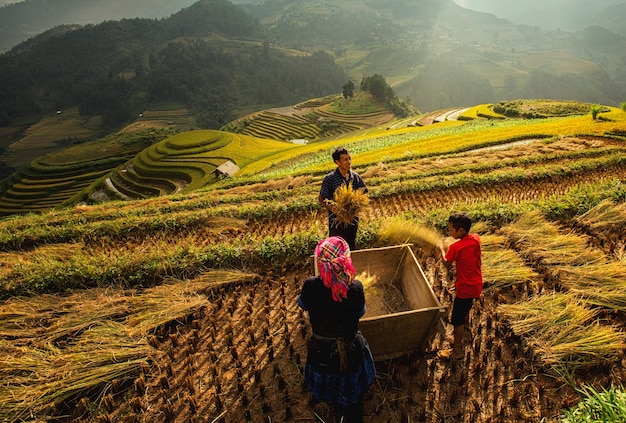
339, 372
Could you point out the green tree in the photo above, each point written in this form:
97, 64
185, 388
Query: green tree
595, 109
348, 89
378, 88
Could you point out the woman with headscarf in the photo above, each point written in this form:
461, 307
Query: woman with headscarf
339, 367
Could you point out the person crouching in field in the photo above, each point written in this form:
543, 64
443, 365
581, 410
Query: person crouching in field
466, 255
339, 366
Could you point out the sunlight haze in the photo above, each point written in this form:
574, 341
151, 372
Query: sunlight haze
568, 15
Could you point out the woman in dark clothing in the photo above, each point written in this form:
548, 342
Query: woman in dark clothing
339, 367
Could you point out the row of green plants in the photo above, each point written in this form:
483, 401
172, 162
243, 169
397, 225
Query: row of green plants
268, 204
184, 255
167, 216
598, 405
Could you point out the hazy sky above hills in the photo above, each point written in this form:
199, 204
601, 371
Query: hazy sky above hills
551, 14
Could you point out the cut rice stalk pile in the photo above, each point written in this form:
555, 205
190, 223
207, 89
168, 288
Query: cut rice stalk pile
607, 214
563, 332
57, 349
348, 203
402, 231
501, 266
601, 284
381, 298
541, 240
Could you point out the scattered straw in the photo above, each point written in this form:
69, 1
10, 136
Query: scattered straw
381, 298
55, 349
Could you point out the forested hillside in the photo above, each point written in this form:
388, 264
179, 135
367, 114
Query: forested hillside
440, 55
434, 53
117, 68
22, 20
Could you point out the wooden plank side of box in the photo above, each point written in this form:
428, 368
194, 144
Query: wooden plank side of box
383, 262
415, 286
395, 334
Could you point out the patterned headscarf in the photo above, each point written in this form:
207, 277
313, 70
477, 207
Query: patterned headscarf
335, 265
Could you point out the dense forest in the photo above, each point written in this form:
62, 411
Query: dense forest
117, 68
24, 19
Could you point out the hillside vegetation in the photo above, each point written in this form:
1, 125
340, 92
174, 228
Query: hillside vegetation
220, 62
167, 163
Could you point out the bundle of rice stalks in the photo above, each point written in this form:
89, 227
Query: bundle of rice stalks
381, 297
82, 310
289, 182
601, 284
163, 304
605, 215
373, 171
348, 203
541, 240
563, 332
501, 266
50, 376
402, 231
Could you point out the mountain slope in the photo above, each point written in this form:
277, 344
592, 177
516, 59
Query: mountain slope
20, 21
116, 68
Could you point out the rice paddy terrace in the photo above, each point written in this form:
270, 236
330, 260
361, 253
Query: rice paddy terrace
182, 307
309, 120
181, 164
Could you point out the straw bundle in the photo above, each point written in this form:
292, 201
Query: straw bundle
501, 266
605, 215
348, 203
373, 171
161, 305
381, 298
542, 241
505, 268
562, 331
402, 231
601, 284
289, 182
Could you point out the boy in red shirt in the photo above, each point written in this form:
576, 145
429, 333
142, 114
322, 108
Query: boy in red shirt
466, 255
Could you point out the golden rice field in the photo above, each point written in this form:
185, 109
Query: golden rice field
182, 307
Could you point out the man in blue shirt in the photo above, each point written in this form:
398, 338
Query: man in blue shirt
342, 175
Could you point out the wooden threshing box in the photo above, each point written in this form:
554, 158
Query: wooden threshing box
391, 335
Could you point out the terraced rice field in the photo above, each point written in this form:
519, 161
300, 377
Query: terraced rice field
236, 352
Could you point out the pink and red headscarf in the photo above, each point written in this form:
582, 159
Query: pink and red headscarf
335, 266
